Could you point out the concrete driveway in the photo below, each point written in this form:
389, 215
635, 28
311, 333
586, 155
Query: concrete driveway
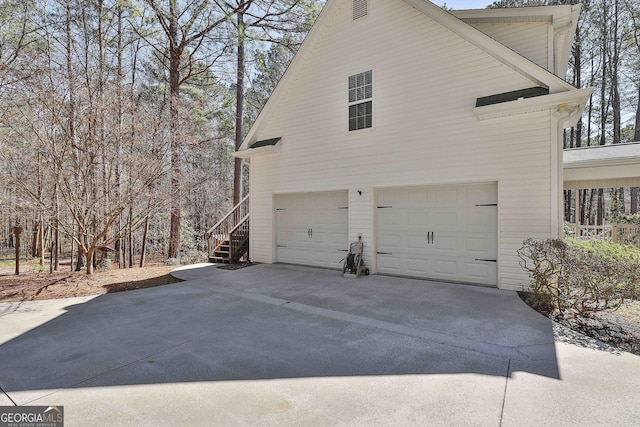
285, 345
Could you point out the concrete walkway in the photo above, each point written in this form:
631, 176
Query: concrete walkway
284, 345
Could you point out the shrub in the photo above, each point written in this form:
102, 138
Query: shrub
580, 277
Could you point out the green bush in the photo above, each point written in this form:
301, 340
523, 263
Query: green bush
581, 276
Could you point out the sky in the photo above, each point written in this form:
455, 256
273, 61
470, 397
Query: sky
464, 4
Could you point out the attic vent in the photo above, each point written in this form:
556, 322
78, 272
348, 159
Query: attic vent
360, 8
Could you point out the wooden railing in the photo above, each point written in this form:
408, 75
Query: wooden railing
239, 240
628, 234
224, 228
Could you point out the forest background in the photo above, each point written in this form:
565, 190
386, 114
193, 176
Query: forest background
118, 118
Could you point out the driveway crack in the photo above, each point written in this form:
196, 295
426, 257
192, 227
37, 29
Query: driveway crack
8, 397
504, 394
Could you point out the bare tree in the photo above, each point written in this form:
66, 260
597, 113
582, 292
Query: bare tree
187, 29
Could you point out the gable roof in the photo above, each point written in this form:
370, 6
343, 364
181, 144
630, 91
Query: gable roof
538, 75
563, 19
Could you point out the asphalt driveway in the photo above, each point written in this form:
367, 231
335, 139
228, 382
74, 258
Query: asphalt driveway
286, 345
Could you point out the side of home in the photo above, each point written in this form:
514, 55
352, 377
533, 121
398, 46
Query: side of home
411, 129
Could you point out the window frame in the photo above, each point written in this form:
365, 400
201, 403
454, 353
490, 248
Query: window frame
360, 96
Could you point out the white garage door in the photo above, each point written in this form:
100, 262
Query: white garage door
439, 232
311, 228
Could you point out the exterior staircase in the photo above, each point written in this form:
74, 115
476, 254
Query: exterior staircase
228, 240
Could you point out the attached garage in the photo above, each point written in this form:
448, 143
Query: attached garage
312, 228
439, 232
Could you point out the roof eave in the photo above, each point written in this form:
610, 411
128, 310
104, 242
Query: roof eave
566, 106
255, 152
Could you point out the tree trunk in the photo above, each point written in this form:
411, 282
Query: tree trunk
90, 260
174, 82
17, 231
567, 205
119, 119
636, 132
577, 54
600, 207
614, 63
130, 235
51, 251
144, 241
34, 239
603, 81
237, 165
41, 241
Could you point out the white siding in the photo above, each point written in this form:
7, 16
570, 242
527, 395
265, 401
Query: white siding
426, 81
529, 39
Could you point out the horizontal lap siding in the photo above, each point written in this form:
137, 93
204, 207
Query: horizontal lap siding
528, 39
426, 81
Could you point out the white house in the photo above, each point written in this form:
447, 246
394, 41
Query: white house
433, 135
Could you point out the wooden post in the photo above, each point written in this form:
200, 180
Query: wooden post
17, 231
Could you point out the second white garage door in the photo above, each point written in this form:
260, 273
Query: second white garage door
439, 232
312, 228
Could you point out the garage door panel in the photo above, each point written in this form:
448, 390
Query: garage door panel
311, 228
480, 244
417, 219
482, 219
416, 265
480, 194
444, 242
390, 242
416, 195
390, 218
481, 272
415, 242
438, 232
337, 239
390, 263
443, 268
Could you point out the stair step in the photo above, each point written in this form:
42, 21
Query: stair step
218, 260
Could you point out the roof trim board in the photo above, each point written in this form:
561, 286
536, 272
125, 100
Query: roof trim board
567, 106
255, 152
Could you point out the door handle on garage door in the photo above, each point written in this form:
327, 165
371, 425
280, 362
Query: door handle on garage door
430, 238
486, 260
384, 253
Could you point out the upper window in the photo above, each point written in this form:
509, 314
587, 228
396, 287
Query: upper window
360, 101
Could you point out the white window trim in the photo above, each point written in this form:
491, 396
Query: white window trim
372, 99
